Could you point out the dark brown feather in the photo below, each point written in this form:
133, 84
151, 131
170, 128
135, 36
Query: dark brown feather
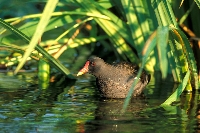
115, 81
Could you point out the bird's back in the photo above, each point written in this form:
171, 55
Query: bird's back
116, 80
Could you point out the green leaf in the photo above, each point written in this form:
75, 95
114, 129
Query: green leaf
175, 62
148, 47
178, 91
43, 74
162, 42
198, 3
188, 52
164, 13
133, 22
112, 28
52, 60
185, 16
49, 8
130, 92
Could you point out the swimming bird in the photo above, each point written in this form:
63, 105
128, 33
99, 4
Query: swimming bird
115, 80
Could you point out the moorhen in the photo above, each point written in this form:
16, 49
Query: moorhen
114, 81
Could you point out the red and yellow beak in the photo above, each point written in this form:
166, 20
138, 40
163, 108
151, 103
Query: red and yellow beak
84, 69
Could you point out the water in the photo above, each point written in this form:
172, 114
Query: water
78, 108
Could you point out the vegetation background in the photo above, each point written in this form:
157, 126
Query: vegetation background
159, 35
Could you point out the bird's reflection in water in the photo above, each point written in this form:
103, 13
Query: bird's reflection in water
109, 115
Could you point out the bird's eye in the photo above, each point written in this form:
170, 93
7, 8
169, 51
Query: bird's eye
92, 64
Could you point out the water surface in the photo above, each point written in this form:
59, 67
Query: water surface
78, 108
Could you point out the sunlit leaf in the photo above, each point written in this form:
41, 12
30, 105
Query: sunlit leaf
185, 16
178, 91
49, 8
164, 13
181, 3
148, 47
188, 53
43, 74
133, 22
112, 28
21, 35
162, 42
198, 3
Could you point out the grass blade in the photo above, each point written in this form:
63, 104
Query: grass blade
148, 47
189, 55
198, 3
49, 8
112, 28
133, 23
162, 37
178, 91
22, 36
